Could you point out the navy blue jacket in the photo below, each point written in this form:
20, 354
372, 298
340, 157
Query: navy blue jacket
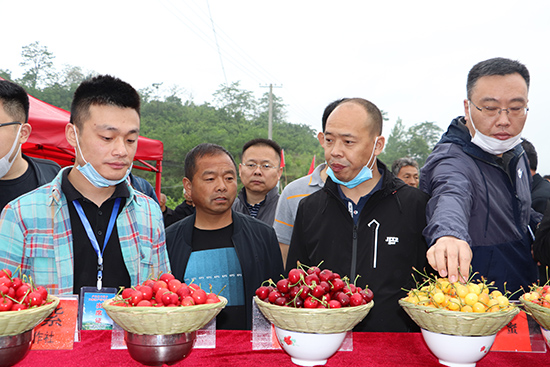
474, 199
255, 243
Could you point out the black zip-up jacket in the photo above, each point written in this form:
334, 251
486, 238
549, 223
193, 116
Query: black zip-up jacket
255, 244
44, 169
382, 248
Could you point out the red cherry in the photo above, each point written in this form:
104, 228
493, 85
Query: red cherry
334, 304
135, 297
5, 304
167, 277
343, 299
6, 272
35, 299
199, 296
310, 302
295, 275
314, 270
188, 301
174, 285
282, 285
262, 292
355, 300
146, 292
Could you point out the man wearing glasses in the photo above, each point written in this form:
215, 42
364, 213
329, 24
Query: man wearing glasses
19, 174
260, 172
478, 177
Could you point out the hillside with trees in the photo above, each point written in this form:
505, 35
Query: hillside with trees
234, 117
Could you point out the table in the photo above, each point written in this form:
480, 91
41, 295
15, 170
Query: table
234, 348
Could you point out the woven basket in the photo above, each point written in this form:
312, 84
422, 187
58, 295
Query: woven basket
317, 320
443, 321
17, 322
163, 320
539, 313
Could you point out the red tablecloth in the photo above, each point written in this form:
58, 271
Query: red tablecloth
234, 348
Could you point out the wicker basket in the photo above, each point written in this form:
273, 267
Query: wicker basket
17, 322
539, 313
318, 320
163, 320
443, 321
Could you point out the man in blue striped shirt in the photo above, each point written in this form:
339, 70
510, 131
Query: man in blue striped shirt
88, 226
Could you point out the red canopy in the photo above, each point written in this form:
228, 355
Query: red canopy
48, 141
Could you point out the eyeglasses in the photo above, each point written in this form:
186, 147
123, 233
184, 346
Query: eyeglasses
263, 167
490, 111
10, 123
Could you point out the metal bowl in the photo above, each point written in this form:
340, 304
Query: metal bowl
156, 350
13, 348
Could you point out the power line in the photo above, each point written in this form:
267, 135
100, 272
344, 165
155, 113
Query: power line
217, 45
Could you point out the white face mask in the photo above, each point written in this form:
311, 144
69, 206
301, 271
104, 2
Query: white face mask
5, 164
91, 173
492, 145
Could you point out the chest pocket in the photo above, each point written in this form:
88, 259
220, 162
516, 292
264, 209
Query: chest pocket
39, 257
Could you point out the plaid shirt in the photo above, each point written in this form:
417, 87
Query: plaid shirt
35, 233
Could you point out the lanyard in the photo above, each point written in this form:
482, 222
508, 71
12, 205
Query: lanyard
93, 239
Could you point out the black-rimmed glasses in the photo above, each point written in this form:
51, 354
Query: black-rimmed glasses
10, 123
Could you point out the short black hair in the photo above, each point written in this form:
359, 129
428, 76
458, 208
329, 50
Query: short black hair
15, 101
495, 66
201, 150
403, 162
531, 154
263, 142
102, 90
373, 112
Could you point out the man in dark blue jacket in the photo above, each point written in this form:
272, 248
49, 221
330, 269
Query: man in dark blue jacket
218, 246
478, 177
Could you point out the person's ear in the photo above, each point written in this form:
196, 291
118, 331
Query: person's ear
26, 130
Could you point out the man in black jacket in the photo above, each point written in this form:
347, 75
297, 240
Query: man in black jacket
364, 221
19, 174
217, 245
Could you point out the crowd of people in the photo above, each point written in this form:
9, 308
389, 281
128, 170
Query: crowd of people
476, 206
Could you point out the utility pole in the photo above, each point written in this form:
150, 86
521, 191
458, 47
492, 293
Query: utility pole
270, 118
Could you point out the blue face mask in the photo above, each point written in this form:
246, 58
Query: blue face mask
364, 175
91, 173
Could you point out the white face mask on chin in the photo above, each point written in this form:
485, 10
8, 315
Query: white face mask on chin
492, 145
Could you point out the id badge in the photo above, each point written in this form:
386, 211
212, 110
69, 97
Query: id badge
91, 315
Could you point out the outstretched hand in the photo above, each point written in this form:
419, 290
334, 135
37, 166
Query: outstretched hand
451, 258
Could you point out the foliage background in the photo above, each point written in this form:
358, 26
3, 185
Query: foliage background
234, 117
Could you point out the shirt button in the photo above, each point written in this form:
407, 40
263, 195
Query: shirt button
100, 232
99, 212
355, 212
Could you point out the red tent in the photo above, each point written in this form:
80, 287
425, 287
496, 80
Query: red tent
48, 141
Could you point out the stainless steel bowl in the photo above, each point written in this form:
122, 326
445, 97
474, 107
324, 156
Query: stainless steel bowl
13, 348
156, 350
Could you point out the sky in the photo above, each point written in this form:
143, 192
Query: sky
409, 58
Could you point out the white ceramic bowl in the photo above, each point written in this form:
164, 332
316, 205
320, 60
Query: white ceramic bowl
458, 351
308, 349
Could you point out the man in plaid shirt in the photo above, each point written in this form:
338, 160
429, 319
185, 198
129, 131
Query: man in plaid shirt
88, 226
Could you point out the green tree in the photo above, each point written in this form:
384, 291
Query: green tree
237, 102
39, 65
416, 142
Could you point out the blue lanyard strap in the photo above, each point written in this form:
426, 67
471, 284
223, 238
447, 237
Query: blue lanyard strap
92, 237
